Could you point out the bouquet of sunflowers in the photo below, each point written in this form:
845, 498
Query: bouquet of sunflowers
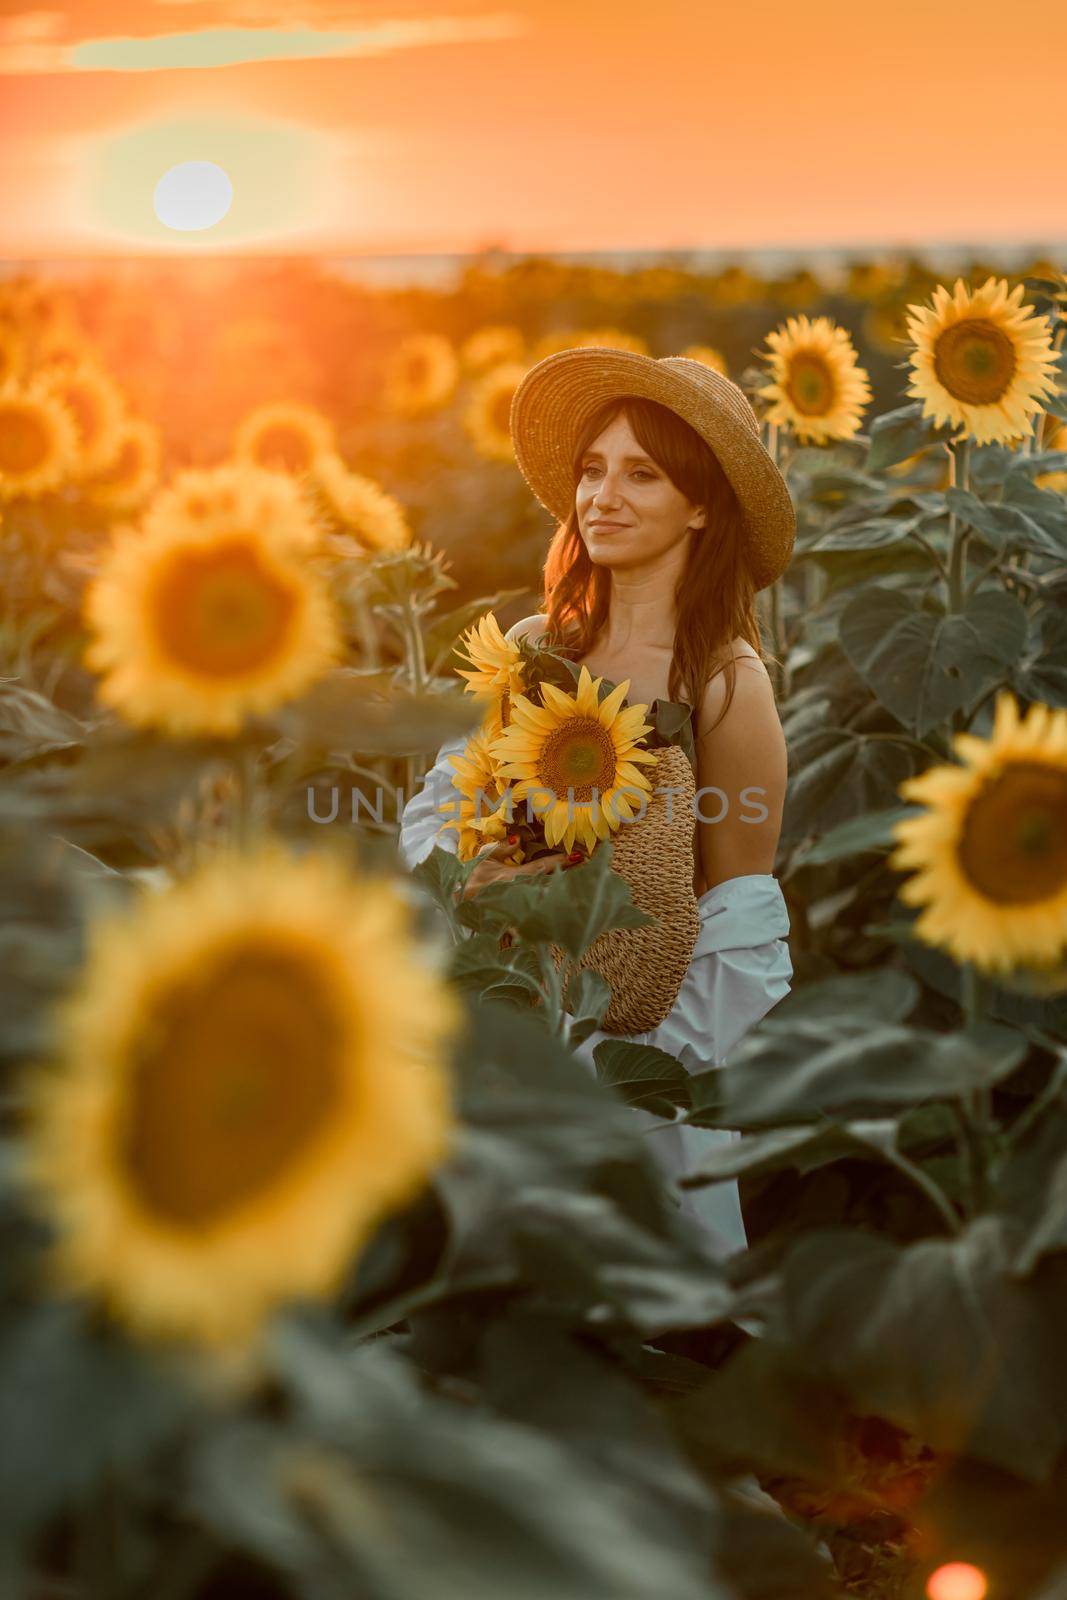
562, 761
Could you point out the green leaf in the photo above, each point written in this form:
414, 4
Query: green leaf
570, 909
31, 725
924, 665
349, 713
855, 837
596, 1251
443, 633
793, 1069
588, 997
898, 434
643, 1075
779, 1149
441, 874
672, 723
936, 1338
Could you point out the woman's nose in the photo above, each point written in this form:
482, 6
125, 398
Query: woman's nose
607, 491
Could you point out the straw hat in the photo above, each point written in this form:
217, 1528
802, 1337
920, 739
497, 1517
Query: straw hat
558, 396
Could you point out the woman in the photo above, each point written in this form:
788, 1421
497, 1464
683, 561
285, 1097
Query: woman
671, 517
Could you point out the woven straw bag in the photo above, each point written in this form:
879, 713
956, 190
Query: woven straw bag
654, 853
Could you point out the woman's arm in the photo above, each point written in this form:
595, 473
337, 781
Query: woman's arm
741, 776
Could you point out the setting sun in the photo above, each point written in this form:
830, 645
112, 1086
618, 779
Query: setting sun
193, 195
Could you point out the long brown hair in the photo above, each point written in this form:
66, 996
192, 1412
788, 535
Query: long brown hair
715, 599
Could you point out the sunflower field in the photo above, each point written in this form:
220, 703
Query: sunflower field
329, 1268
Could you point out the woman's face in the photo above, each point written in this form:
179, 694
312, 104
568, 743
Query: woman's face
629, 511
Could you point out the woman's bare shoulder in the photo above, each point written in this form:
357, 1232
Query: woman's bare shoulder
753, 691
528, 628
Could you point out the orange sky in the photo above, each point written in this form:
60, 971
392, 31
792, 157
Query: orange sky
584, 124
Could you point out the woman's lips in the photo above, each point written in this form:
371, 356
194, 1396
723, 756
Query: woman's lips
607, 527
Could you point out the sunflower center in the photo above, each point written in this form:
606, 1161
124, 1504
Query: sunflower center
24, 441
283, 447
578, 757
220, 612
1014, 843
810, 385
975, 361
235, 1074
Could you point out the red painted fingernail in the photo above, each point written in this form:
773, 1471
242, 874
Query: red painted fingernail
513, 838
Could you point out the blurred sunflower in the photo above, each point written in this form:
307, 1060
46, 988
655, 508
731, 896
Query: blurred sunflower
735, 285
421, 374
38, 441
575, 758
491, 346
194, 630
488, 416
134, 473
284, 436
797, 290
583, 338
885, 325
990, 852
871, 280
251, 1074
375, 517
12, 354
64, 346
97, 406
817, 389
982, 361
708, 356
1056, 441
234, 495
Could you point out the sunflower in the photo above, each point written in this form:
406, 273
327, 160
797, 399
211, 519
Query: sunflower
38, 441
12, 354
96, 404
250, 1075
708, 356
583, 338
421, 374
377, 518
480, 813
885, 325
817, 389
284, 436
233, 495
496, 662
574, 759
194, 630
1056, 441
492, 346
134, 473
990, 851
982, 361
64, 346
488, 417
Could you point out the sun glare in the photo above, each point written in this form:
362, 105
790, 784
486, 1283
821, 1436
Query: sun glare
201, 181
193, 195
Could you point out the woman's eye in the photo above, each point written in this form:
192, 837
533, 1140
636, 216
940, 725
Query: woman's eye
641, 472
591, 468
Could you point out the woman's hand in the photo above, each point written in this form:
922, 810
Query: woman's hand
497, 866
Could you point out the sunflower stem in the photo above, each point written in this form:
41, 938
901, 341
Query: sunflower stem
978, 1109
959, 533
775, 609
244, 795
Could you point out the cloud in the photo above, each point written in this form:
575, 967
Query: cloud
34, 42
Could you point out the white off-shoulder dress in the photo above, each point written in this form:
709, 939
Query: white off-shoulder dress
740, 968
